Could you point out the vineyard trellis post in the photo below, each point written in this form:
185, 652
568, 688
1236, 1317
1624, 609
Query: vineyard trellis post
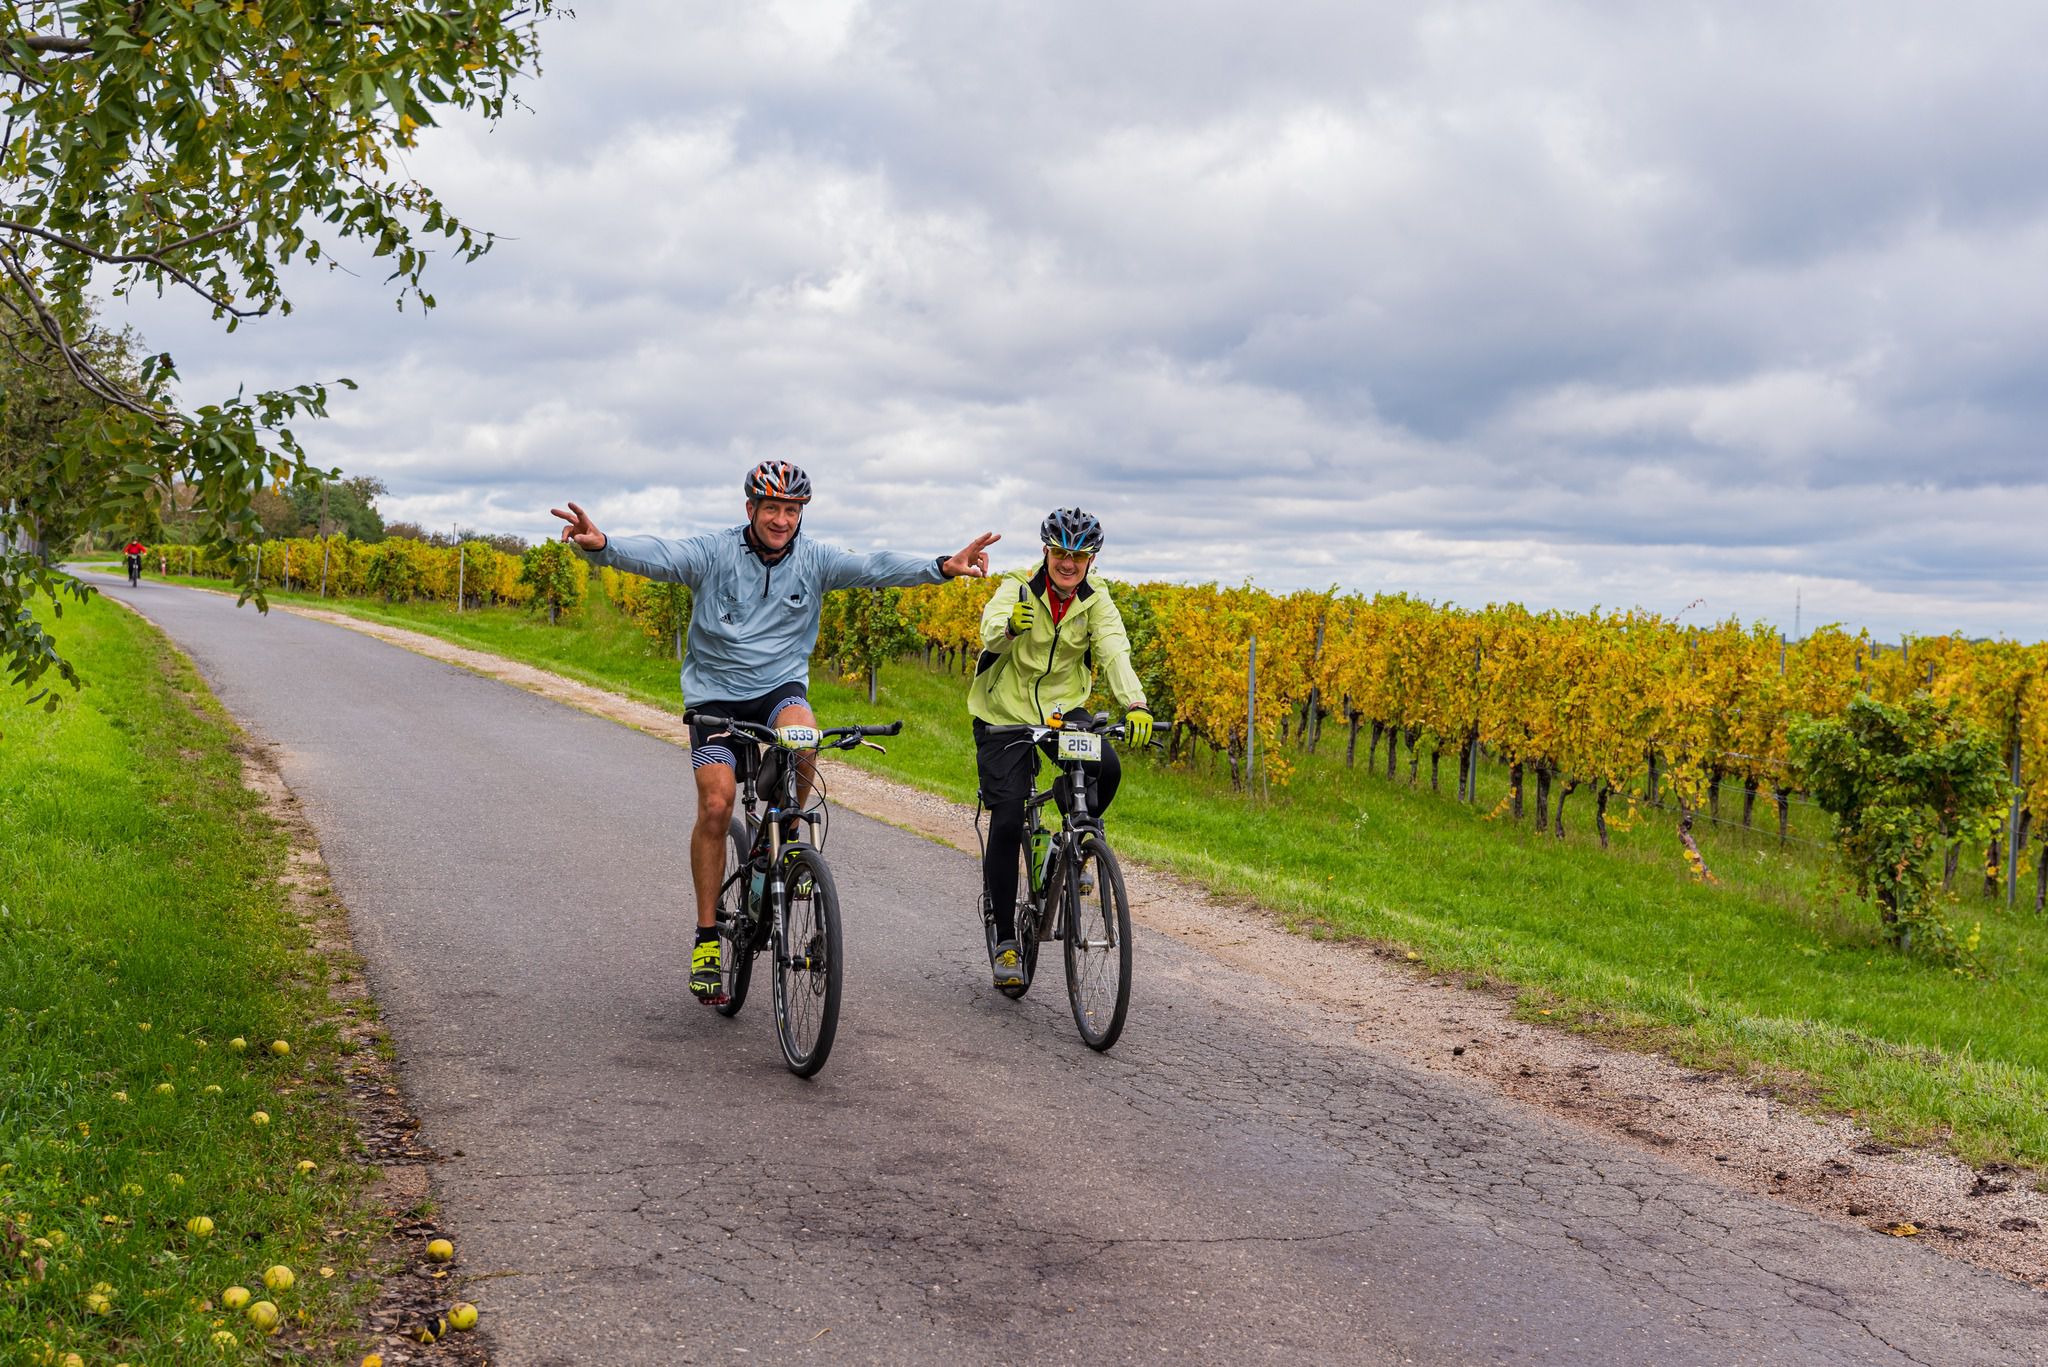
1469, 788
1312, 725
2012, 830
1251, 709
325, 540
461, 567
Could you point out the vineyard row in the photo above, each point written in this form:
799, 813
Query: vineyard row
1626, 706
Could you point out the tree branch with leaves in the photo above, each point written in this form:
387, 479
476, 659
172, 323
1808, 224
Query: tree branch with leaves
206, 147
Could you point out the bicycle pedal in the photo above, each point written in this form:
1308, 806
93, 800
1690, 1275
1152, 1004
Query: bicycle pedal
715, 998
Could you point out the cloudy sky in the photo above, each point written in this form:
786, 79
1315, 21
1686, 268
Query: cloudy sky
1569, 304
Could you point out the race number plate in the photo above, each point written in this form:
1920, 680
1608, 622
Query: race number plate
797, 737
1079, 745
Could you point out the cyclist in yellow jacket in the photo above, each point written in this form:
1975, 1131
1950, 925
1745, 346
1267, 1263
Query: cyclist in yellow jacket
1043, 634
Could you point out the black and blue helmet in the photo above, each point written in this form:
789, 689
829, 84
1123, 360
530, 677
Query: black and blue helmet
1070, 529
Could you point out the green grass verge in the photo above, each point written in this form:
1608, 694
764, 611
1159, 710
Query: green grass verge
1766, 970
143, 928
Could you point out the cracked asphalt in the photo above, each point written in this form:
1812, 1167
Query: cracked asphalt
631, 1178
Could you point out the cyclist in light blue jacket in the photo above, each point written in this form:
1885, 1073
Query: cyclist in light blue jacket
755, 595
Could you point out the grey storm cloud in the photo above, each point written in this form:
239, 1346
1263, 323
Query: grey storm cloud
1558, 303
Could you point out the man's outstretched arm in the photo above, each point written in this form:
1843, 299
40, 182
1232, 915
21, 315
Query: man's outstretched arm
897, 569
652, 557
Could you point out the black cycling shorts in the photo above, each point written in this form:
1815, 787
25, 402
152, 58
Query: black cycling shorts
707, 746
1006, 764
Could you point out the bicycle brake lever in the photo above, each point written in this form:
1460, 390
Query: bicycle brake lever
872, 746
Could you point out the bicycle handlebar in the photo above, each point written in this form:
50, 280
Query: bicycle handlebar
1093, 725
835, 738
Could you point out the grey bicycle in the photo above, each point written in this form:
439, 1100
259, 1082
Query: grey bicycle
777, 894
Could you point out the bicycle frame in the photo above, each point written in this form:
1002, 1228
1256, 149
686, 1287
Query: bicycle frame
763, 817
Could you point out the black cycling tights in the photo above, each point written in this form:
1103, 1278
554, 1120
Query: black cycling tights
1006, 836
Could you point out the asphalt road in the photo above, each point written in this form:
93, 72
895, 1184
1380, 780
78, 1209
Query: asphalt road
1240, 1180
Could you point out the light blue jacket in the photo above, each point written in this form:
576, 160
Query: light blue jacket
754, 625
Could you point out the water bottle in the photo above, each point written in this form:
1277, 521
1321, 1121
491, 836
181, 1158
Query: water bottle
755, 884
1040, 840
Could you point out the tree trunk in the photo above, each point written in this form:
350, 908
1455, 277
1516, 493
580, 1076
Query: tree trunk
554, 614
1372, 750
1414, 754
1571, 786
1948, 868
1351, 747
2019, 847
1515, 785
1466, 791
1542, 798
1651, 796
1692, 848
1783, 797
1600, 814
1749, 786
2041, 882
1393, 749
1714, 795
1994, 867
1435, 758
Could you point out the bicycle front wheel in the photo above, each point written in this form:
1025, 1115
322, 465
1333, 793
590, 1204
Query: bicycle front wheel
1098, 944
735, 953
808, 962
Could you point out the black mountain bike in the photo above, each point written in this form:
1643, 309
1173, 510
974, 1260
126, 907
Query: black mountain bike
1070, 888
777, 893
134, 570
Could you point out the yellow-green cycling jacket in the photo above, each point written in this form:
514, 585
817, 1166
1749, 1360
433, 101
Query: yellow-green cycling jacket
1025, 679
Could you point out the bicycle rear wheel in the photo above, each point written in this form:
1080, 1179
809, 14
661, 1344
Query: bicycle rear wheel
735, 956
808, 962
1098, 944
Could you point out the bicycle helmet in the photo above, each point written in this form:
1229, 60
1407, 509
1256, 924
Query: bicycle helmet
1070, 529
780, 480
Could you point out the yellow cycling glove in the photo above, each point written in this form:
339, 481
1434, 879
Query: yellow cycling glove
1023, 616
1138, 726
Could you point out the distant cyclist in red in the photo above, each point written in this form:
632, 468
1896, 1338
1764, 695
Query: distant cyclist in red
134, 550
